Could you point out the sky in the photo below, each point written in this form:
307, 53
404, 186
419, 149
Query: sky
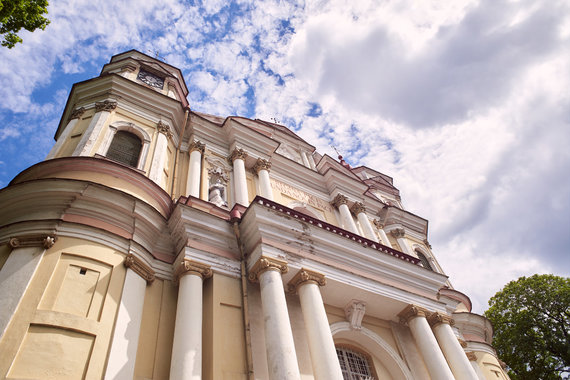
465, 103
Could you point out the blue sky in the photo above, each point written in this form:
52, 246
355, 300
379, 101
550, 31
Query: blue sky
464, 103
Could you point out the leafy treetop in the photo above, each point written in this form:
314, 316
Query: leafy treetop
18, 14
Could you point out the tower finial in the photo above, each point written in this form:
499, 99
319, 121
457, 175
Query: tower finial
342, 161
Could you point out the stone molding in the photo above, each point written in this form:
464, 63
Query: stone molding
164, 129
77, 113
339, 200
139, 267
45, 241
412, 311
471, 356
261, 164
436, 318
237, 154
196, 145
426, 242
357, 208
398, 233
378, 224
264, 264
192, 267
107, 106
354, 312
305, 276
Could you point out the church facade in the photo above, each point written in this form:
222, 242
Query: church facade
157, 242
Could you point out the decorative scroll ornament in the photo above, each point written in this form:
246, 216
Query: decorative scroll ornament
77, 113
305, 276
261, 164
139, 267
237, 154
265, 264
354, 312
45, 241
471, 356
462, 343
192, 267
378, 224
398, 233
106, 106
196, 145
164, 129
339, 200
436, 318
357, 208
412, 311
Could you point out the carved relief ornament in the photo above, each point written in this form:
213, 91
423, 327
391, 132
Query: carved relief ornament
261, 164
305, 276
106, 106
354, 313
139, 267
192, 267
164, 129
196, 145
436, 318
398, 233
471, 356
412, 311
265, 264
299, 195
339, 200
77, 113
357, 208
237, 154
378, 224
45, 241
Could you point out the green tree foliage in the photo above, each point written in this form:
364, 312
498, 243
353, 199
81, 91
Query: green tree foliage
531, 319
18, 14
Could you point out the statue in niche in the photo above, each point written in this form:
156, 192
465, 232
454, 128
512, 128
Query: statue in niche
217, 187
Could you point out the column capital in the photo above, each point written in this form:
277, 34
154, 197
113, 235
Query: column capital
305, 276
264, 264
45, 241
196, 145
187, 266
437, 318
164, 129
261, 164
378, 224
398, 233
237, 154
77, 113
339, 200
357, 208
412, 311
107, 106
139, 267
471, 356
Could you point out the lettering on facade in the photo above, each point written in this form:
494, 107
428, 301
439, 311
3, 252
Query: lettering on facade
300, 195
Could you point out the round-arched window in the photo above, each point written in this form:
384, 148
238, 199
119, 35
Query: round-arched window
125, 148
353, 364
424, 260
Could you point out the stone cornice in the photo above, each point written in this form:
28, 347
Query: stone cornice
412, 311
357, 208
339, 200
436, 318
45, 241
192, 267
139, 267
238, 153
107, 106
264, 264
196, 145
305, 276
261, 164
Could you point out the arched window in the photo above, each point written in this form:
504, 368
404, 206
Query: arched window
125, 148
424, 260
354, 365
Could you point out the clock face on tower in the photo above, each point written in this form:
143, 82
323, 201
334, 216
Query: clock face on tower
150, 79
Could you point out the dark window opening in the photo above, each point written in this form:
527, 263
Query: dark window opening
424, 260
354, 365
125, 148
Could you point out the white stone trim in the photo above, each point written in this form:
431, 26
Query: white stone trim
129, 127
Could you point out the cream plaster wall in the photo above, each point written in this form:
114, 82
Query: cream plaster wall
490, 366
69, 146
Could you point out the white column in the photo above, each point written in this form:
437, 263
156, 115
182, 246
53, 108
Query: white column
123, 353
73, 119
472, 357
399, 234
262, 169
240, 180
452, 350
340, 202
102, 112
279, 344
160, 151
321, 343
426, 342
186, 361
360, 211
196, 150
17, 272
312, 162
305, 159
382, 234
